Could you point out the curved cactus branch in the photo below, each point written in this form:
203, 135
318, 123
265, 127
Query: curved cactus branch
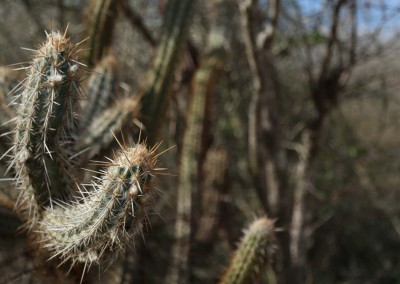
112, 212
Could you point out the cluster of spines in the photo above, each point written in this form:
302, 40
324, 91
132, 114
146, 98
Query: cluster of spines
45, 115
98, 226
254, 251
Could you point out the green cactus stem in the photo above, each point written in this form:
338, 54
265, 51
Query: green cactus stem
254, 251
45, 115
213, 188
99, 225
8, 81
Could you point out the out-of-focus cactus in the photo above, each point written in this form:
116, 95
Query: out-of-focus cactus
155, 99
45, 116
215, 178
101, 91
254, 251
188, 189
101, 20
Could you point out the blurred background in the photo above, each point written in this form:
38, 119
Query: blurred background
283, 108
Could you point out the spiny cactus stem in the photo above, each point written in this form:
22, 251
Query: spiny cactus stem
98, 226
44, 114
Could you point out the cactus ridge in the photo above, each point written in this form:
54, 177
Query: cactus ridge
99, 224
45, 114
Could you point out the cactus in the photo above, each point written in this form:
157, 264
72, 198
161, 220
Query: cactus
8, 82
213, 191
188, 189
45, 113
72, 220
157, 91
99, 133
254, 251
91, 229
101, 20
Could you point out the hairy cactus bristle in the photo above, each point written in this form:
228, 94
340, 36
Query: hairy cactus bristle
98, 227
45, 114
253, 252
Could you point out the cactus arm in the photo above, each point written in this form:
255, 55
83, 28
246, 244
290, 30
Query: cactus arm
44, 115
101, 223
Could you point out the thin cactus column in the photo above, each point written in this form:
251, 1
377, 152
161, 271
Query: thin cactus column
99, 135
102, 15
155, 100
8, 82
101, 91
216, 165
